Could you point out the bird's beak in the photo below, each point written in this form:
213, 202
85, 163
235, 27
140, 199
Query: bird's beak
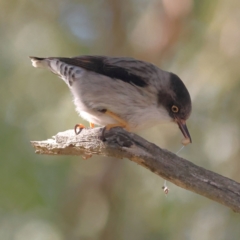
183, 127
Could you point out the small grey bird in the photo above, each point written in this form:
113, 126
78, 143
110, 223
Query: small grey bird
120, 91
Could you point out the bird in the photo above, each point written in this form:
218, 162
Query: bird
122, 92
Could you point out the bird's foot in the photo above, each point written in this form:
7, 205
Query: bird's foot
78, 128
120, 123
110, 126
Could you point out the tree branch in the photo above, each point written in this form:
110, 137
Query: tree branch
122, 144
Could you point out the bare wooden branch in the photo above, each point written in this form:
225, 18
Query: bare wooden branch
122, 144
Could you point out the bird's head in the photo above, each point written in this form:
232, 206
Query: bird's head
176, 100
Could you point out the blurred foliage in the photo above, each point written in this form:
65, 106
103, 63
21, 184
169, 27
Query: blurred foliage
56, 198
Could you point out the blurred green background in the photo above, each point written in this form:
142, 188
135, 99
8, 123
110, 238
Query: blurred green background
58, 198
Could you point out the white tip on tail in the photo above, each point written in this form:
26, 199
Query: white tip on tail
39, 62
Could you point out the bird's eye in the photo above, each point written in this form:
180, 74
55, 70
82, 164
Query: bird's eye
175, 109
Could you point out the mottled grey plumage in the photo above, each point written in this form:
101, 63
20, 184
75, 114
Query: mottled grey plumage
138, 92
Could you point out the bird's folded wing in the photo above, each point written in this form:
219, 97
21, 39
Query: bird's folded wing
125, 69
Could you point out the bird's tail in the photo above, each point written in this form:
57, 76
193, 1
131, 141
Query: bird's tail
39, 62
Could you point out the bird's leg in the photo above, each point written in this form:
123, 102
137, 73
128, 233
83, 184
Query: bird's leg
120, 122
91, 125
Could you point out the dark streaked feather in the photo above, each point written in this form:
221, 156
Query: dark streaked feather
101, 65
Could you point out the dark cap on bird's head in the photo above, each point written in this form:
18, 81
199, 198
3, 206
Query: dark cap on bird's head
176, 100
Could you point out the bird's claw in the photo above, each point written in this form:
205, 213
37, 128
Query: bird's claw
78, 128
102, 137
